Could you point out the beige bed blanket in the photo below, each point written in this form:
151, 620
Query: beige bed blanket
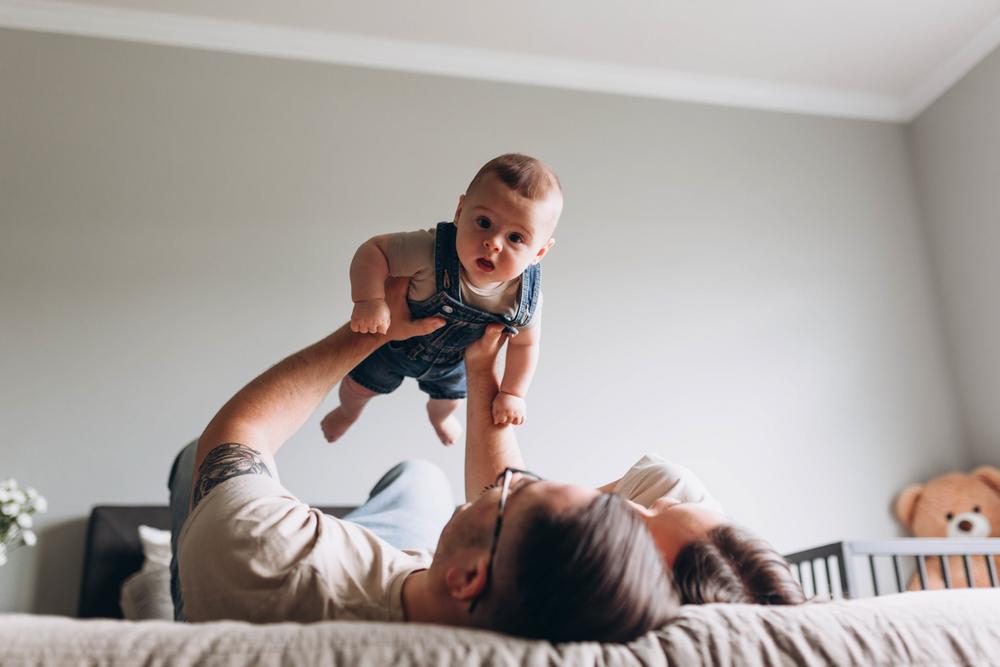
928, 628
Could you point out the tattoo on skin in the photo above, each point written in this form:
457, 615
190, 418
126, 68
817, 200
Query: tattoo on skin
225, 462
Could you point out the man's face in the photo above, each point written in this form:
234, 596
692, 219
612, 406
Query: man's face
500, 233
472, 524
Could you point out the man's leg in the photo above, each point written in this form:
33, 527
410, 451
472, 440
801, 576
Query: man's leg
409, 506
179, 483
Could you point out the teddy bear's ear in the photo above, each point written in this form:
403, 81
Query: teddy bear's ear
906, 501
990, 475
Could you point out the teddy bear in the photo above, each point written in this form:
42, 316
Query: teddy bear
954, 505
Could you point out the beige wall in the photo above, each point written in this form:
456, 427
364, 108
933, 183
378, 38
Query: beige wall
956, 149
743, 291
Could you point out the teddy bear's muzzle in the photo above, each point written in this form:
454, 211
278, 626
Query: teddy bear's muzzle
969, 524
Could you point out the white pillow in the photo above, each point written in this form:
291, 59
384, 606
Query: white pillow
146, 594
155, 546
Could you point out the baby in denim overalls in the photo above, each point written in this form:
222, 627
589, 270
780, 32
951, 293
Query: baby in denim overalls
480, 269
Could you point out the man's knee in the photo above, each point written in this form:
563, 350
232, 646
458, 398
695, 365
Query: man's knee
418, 473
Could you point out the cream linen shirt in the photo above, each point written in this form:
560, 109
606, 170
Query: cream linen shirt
411, 255
252, 551
653, 477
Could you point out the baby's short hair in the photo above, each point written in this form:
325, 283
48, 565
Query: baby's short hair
525, 175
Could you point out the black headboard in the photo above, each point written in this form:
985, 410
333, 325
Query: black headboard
113, 553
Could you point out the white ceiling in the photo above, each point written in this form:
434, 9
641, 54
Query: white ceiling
883, 59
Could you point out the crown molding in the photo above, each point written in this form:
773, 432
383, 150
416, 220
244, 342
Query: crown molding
393, 54
951, 71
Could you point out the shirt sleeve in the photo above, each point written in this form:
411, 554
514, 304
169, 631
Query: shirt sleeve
653, 477
411, 254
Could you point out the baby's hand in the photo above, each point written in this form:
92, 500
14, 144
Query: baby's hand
371, 316
509, 409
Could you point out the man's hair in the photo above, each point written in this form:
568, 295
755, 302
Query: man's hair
586, 574
523, 174
732, 565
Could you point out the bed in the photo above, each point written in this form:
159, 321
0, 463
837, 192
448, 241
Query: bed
910, 628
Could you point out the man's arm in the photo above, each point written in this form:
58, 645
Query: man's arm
489, 448
272, 407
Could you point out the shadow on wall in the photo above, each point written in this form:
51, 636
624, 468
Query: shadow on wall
60, 565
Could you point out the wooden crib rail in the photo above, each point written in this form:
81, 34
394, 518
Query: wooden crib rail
910, 557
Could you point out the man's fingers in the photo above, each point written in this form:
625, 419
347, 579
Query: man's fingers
427, 325
494, 330
492, 336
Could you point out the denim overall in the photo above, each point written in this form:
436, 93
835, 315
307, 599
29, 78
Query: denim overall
436, 360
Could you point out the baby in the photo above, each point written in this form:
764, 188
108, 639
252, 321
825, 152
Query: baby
480, 269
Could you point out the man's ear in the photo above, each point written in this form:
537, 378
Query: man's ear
458, 210
467, 579
543, 250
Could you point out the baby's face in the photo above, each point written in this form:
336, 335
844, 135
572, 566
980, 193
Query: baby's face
500, 233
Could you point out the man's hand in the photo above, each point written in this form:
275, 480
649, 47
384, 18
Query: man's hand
509, 409
371, 316
482, 355
401, 323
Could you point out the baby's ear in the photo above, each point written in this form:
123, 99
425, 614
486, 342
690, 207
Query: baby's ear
989, 475
544, 250
906, 502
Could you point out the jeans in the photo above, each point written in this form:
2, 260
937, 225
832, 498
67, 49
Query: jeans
384, 369
407, 508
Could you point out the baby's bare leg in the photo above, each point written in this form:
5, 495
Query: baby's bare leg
353, 398
442, 415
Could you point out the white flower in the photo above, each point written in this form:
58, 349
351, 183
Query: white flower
18, 496
3, 555
40, 504
32, 493
29, 538
10, 509
8, 484
4, 495
24, 521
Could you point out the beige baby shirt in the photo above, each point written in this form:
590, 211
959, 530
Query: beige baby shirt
411, 254
252, 551
653, 477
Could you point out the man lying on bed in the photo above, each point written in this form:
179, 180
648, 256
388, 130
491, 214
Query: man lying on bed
584, 564
247, 572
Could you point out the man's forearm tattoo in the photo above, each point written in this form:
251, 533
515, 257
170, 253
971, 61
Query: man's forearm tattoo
225, 462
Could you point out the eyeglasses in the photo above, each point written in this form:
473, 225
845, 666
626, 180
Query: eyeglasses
503, 481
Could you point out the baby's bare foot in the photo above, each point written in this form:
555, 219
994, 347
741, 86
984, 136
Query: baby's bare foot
336, 423
449, 430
